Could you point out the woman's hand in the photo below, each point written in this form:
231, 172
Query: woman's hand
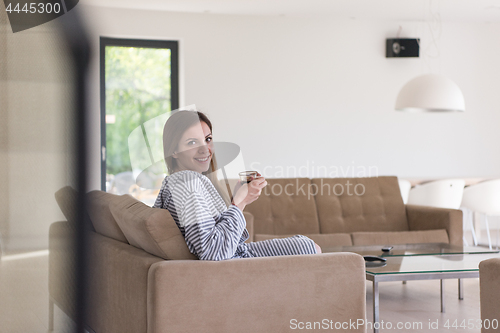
248, 193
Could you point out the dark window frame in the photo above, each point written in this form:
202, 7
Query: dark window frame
146, 43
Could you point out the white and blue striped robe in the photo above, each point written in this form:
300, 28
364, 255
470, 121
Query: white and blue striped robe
211, 230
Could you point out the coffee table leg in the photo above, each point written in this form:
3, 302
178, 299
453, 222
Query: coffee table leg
442, 296
375, 307
460, 289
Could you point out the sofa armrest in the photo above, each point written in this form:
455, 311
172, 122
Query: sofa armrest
489, 283
249, 219
117, 282
270, 294
429, 218
62, 266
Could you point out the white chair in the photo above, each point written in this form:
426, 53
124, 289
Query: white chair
440, 193
468, 220
404, 187
484, 198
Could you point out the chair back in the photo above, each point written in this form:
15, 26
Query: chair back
404, 187
483, 197
441, 193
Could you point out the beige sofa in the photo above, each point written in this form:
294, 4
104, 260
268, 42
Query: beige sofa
349, 211
142, 278
489, 283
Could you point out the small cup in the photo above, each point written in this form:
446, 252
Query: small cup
248, 176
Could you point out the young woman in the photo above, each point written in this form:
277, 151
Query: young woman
192, 194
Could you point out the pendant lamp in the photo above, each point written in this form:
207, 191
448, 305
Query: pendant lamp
430, 93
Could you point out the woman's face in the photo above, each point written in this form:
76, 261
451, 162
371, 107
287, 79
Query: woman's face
194, 151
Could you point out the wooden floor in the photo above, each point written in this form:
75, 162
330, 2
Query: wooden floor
24, 301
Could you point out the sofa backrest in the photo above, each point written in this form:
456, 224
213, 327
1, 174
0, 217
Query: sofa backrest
348, 205
150, 229
130, 221
67, 199
101, 217
285, 206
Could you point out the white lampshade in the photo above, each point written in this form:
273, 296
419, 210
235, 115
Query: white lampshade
430, 93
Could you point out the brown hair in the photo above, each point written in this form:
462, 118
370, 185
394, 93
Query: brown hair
174, 128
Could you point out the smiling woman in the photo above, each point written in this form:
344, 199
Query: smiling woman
191, 193
195, 149
187, 145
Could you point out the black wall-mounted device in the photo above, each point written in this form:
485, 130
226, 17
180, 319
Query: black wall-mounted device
402, 47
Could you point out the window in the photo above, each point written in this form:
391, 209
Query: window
139, 86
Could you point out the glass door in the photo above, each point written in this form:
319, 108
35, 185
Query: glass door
139, 88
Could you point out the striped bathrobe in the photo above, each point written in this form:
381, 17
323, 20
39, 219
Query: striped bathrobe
211, 230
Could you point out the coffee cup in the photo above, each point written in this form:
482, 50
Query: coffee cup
248, 176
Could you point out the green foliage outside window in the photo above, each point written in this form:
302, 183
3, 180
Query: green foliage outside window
137, 89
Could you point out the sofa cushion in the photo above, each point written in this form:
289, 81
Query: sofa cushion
349, 205
400, 237
323, 240
151, 229
103, 221
285, 207
66, 198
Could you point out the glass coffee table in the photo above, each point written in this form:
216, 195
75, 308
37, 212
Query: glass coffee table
436, 261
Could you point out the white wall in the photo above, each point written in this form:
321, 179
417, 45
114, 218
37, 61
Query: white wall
311, 92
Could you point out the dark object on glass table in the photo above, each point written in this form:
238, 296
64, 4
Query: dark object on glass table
374, 259
387, 248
